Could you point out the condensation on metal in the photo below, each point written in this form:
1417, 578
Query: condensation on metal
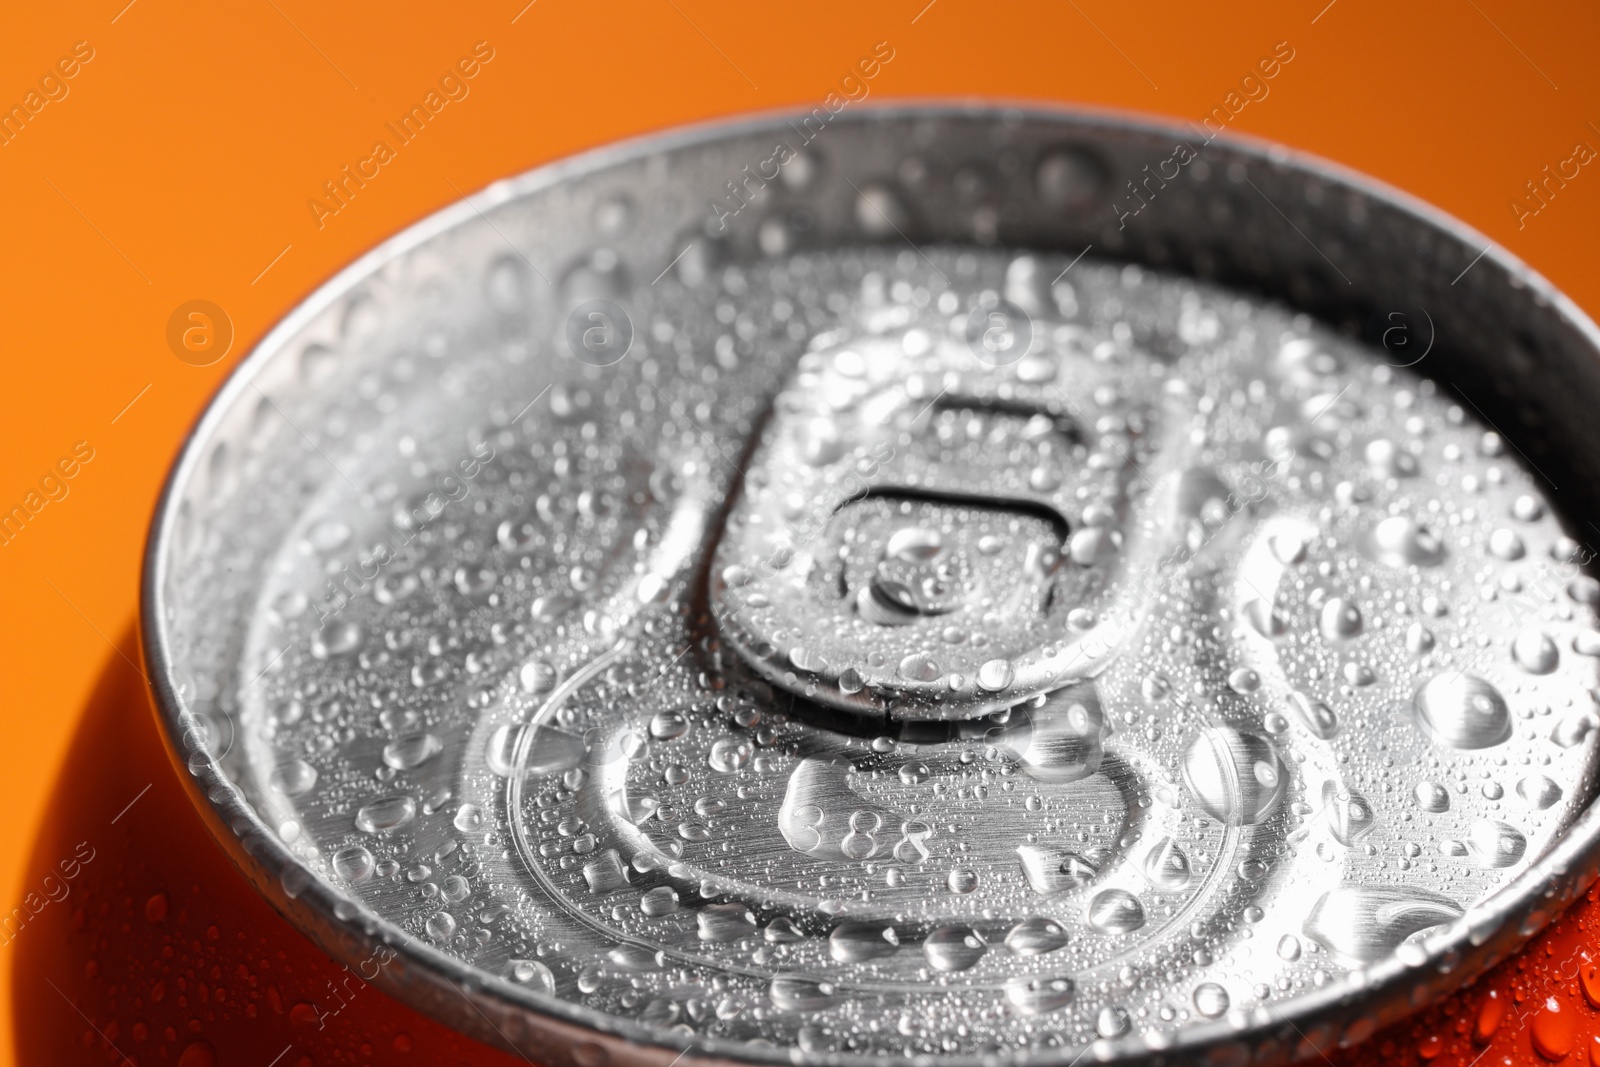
869, 650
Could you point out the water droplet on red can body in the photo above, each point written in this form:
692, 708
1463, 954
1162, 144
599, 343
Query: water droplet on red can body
198, 1054
1553, 1030
1489, 1016
1589, 982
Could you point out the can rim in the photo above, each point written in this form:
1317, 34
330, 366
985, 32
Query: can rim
1558, 876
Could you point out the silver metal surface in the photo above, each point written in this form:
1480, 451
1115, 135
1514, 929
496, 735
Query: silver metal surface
889, 634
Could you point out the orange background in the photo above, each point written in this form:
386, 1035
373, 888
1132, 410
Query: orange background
179, 165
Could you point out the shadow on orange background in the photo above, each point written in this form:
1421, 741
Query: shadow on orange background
178, 160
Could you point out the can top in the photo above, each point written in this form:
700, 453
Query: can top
901, 650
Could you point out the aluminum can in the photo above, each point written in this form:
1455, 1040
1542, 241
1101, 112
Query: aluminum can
938, 585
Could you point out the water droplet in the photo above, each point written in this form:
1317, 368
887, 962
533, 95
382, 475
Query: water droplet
537, 676
500, 750
728, 754
1349, 815
1553, 1030
1237, 778
1069, 178
996, 675
1314, 715
1114, 911
792, 993
1386, 460
1534, 651
1358, 674
1589, 982
805, 659
1112, 1021
1060, 742
1506, 544
1496, 844
353, 865
1527, 509
662, 900
666, 725
1572, 730
605, 874
962, 880
725, 922
1364, 923
1093, 546
918, 667
1462, 711
197, 1054
1419, 639
336, 638
1288, 547
914, 544
1431, 796
552, 752
399, 720
879, 212
857, 942
1035, 937
1244, 680
1538, 791
1289, 948
1036, 370
953, 948
1210, 999
914, 773
411, 751
1050, 870
441, 926
294, 777
1339, 620
1489, 1017
390, 813
1166, 867
1265, 618
1399, 541
1039, 996
534, 975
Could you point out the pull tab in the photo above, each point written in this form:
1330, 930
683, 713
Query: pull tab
925, 536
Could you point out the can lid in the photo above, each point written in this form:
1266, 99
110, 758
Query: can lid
872, 650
